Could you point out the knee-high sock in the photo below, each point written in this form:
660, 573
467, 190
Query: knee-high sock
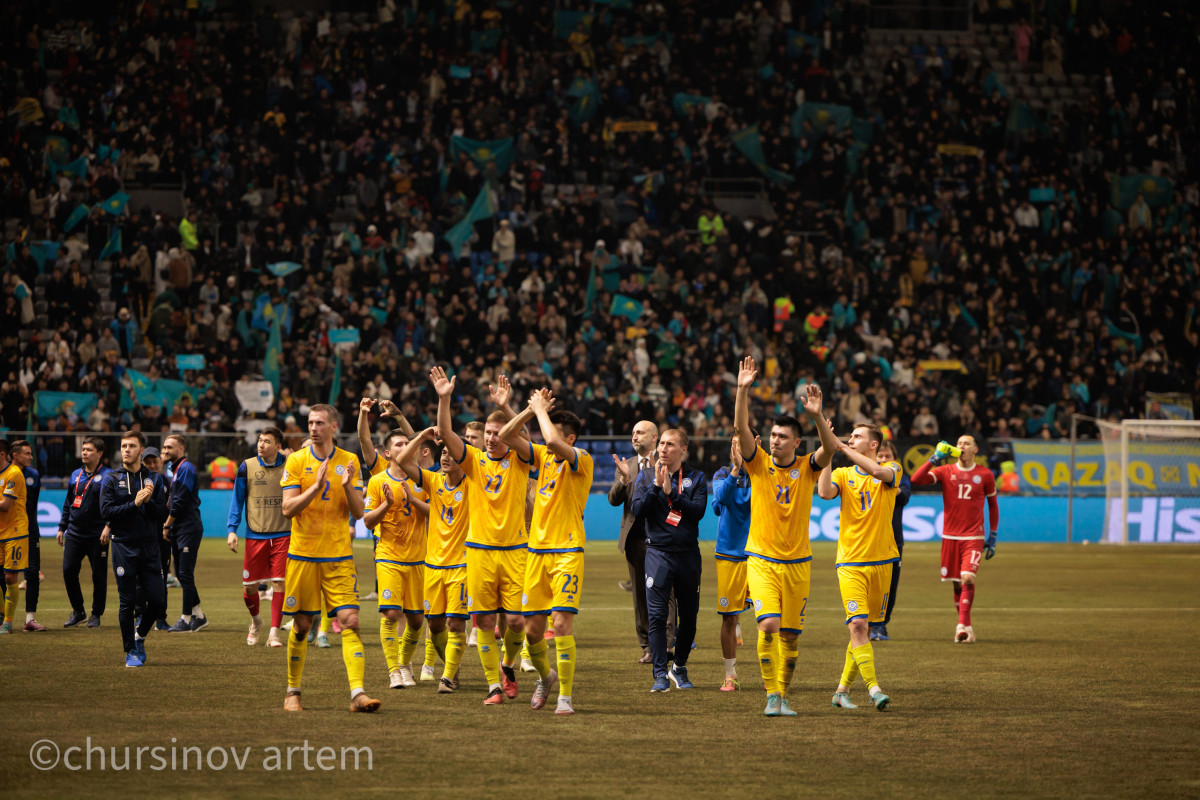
512, 645
538, 654
439, 643
767, 656
352, 655
277, 609
565, 645
455, 644
864, 657
430, 650
325, 624
957, 594
789, 650
251, 603
964, 606
850, 671
489, 656
408, 644
297, 649
10, 602
387, 637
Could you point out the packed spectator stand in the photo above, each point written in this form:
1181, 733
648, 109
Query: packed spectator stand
982, 230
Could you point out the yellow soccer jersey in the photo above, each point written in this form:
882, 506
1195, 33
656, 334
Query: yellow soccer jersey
780, 508
447, 543
401, 532
496, 491
14, 523
867, 503
321, 530
380, 464
562, 491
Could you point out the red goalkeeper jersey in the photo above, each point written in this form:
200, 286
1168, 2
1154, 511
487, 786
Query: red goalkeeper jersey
964, 493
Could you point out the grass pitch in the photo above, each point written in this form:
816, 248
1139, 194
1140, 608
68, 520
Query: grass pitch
1083, 684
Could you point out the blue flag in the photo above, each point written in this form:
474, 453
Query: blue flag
43, 252
821, 116
626, 307
499, 151
113, 248
78, 215
587, 99
483, 207
185, 361
1157, 191
58, 148
273, 355
460, 72
281, 269
335, 388
684, 102
343, 335
48, 405
115, 204
802, 45
1022, 117
485, 40
749, 143
566, 21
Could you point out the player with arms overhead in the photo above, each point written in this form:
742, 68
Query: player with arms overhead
321, 492
965, 486
866, 551
554, 569
496, 480
779, 556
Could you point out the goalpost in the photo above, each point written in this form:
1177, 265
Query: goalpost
1152, 480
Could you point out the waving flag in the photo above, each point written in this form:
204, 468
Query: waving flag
749, 143
799, 43
113, 248
587, 101
485, 39
78, 215
499, 151
684, 102
483, 207
1157, 191
274, 351
626, 307
58, 148
821, 115
115, 205
281, 269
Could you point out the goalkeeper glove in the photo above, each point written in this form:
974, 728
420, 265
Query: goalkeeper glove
940, 453
990, 546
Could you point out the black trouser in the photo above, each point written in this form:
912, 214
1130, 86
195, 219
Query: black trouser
895, 581
75, 549
667, 572
136, 564
33, 583
635, 559
185, 544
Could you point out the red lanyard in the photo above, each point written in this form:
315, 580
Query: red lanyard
678, 487
87, 485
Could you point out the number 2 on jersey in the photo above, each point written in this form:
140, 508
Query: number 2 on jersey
325, 493
498, 480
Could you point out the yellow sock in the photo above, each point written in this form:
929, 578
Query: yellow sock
325, 625
408, 644
352, 654
788, 652
439, 644
455, 644
850, 671
766, 661
538, 654
297, 648
565, 645
430, 650
485, 638
864, 657
12, 592
512, 645
387, 637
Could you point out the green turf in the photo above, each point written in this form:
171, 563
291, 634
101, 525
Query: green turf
1083, 684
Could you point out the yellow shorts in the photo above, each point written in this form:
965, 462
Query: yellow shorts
733, 592
779, 590
865, 591
446, 592
553, 582
401, 587
313, 585
495, 580
14, 554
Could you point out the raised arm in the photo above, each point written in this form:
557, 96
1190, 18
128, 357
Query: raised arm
365, 442
408, 456
513, 432
741, 407
870, 466
501, 393
445, 425
393, 411
540, 403
826, 488
829, 443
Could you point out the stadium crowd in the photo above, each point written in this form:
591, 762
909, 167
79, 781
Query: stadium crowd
924, 287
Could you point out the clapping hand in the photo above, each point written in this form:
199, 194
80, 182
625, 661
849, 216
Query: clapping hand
143, 494
622, 465
540, 401
348, 475
388, 497
735, 457
501, 390
322, 471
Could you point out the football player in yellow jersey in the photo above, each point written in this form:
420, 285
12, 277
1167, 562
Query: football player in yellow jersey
554, 566
866, 551
496, 481
321, 492
445, 555
14, 533
399, 513
779, 556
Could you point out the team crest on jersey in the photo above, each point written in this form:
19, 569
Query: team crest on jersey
428, 605
120, 571
758, 605
649, 581
794, 474
524, 599
387, 594
504, 464
874, 480
945, 572
245, 574
977, 479
852, 606
458, 497
687, 483
290, 602
340, 469
29, 481
723, 602
470, 601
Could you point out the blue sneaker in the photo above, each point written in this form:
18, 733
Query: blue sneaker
773, 703
873, 634
842, 700
132, 660
679, 677
883, 634
180, 627
162, 625
140, 646
661, 684
199, 623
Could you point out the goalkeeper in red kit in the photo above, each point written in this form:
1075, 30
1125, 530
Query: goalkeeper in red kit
965, 486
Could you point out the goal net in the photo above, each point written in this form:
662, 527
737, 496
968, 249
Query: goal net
1152, 480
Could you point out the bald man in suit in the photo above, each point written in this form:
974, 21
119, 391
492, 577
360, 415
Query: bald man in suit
633, 535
